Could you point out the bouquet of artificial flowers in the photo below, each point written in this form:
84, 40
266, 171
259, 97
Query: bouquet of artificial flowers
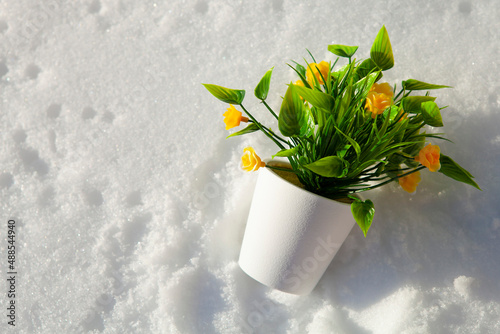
345, 132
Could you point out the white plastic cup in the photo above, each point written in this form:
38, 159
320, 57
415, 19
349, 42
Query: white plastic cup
291, 235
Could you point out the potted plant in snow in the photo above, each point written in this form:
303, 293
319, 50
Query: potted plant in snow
343, 132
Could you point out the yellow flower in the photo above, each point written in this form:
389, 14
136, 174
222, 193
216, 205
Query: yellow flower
410, 182
232, 117
299, 83
429, 157
312, 71
379, 98
383, 88
250, 161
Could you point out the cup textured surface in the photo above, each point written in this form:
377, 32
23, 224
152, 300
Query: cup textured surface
291, 235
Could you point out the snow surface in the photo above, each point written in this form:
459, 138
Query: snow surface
129, 203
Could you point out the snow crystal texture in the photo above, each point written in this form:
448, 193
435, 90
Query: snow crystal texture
129, 202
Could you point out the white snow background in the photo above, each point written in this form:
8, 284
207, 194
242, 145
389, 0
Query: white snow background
129, 202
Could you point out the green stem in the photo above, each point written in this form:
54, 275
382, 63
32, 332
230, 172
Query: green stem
266, 131
374, 177
275, 135
282, 169
372, 168
388, 181
400, 92
269, 108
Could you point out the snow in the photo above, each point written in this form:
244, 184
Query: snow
129, 203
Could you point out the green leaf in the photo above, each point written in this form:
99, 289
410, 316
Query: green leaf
381, 51
233, 96
307, 123
300, 69
411, 163
412, 103
412, 84
355, 145
331, 166
392, 169
291, 113
341, 72
381, 168
252, 127
431, 114
412, 150
383, 128
368, 66
392, 112
316, 98
341, 153
355, 172
342, 50
287, 153
301, 72
363, 212
362, 87
263, 87
451, 169
344, 102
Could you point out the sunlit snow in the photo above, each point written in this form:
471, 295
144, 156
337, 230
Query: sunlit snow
129, 202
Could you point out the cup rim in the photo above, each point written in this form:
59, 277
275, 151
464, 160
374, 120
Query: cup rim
297, 188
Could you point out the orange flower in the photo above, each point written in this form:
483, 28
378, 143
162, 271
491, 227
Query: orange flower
312, 71
232, 117
429, 157
379, 98
250, 160
410, 182
405, 116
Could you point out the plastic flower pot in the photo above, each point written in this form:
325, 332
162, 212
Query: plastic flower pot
292, 235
